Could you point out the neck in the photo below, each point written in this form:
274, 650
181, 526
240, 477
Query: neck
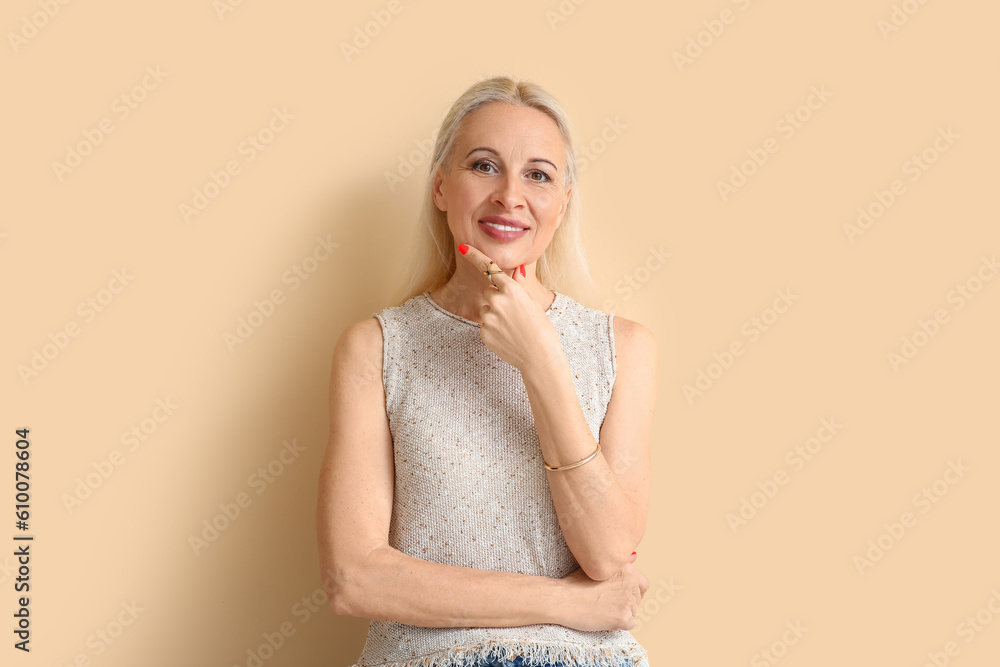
463, 293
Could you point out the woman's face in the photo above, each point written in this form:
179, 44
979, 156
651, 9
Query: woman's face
508, 168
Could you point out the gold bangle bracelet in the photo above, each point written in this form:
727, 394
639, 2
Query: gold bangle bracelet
573, 465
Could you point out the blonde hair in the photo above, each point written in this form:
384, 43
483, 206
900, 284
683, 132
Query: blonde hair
563, 266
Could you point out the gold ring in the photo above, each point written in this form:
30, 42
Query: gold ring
489, 272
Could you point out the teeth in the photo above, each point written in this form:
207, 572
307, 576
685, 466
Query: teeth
506, 228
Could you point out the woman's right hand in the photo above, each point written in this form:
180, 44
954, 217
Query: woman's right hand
605, 605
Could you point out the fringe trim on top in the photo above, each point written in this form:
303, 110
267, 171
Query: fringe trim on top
534, 655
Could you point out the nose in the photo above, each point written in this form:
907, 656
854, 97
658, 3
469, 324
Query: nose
508, 192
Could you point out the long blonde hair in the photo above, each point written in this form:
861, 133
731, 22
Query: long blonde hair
563, 266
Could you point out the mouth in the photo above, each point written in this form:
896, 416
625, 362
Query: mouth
503, 224
503, 229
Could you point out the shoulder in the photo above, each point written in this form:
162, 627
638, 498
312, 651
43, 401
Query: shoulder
360, 347
635, 344
367, 337
366, 333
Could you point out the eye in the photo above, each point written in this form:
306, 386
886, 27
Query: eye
478, 163
544, 177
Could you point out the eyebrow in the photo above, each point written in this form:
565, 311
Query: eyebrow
490, 150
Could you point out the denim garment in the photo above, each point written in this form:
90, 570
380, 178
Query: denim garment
495, 661
516, 662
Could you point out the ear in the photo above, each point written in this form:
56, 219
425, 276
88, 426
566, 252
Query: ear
565, 204
436, 191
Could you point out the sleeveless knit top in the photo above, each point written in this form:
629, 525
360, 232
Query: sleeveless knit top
470, 488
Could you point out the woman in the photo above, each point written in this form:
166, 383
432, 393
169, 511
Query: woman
465, 504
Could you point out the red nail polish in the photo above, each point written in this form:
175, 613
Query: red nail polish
522, 271
633, 553
462, 248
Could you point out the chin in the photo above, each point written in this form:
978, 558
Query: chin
501, 255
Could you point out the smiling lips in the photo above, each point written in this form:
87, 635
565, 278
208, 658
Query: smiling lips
503, 229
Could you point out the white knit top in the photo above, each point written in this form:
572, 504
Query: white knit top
470, 488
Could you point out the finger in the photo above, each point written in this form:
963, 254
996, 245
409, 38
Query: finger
481, 261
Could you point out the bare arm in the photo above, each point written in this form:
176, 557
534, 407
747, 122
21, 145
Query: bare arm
366, 577
602, 505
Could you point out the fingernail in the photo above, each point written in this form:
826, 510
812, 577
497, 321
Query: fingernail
462, 248
522, 271
633, 553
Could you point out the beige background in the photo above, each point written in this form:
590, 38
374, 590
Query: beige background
720, 596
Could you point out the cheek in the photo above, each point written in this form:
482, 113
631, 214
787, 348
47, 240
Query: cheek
469, 194
546, 204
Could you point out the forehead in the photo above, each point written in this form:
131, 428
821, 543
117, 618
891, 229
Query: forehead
510, 129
